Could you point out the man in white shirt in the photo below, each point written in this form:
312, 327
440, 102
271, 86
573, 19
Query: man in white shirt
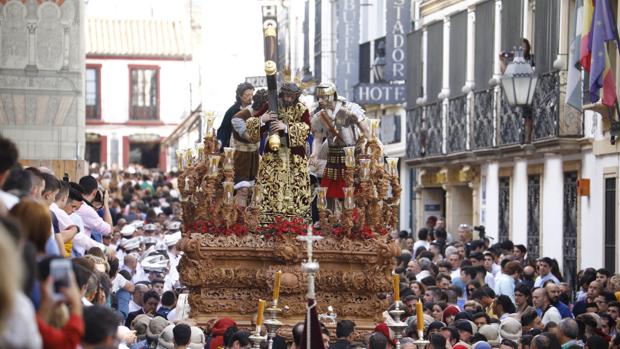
547, 312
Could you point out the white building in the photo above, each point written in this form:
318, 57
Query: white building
464, 142
142, 78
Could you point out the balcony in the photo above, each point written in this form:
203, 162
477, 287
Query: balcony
483, 123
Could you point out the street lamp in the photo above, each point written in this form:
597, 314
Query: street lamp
519, 81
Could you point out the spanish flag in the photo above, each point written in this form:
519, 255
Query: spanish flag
586, 34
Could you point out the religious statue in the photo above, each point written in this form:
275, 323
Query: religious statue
245, 137
338, 123
283, 170
243, 98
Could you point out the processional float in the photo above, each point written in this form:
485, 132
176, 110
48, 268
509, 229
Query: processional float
232, 258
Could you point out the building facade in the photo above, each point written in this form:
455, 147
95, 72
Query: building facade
466, 149
142, 80
41, 75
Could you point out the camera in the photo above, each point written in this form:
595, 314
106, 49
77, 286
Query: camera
481, 231
508, 55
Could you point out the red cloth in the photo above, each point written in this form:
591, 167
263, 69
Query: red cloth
67, 337
218, 330
334, 187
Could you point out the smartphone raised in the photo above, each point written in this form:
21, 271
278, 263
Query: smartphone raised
60, 270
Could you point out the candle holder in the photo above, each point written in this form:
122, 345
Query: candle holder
398, 326
229, 158
257, 339
272, 324
189, 157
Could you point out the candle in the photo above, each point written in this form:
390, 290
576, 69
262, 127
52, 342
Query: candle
365, 169
276, 287
396, 285
180, 159
419, 312
321, 198
259, 316
214, 161
348, 198
229, 158
189, 157
374, 126
200, 150
392, 166
228, 192
349, 157
210, 119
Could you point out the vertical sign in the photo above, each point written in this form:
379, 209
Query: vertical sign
398, 25
347, 48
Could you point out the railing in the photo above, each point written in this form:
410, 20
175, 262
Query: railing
456, 125
487, 128
546, 107
483, 130
510, 123
416, 137
434, 129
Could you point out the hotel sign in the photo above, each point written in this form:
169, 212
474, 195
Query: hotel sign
347, 49
380, 93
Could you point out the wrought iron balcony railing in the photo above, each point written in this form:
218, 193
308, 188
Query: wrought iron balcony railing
492, 122
546, 108
483, 130
456, 125
433, 123
416, 137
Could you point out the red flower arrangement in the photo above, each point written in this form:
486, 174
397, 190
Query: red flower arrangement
281, 227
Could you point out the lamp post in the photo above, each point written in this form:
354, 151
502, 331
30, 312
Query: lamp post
519, 83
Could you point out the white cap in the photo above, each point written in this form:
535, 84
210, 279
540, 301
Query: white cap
172, 239
131, 244
128, 230
137, 224
243, 184
150, 227
156, 263
174, 225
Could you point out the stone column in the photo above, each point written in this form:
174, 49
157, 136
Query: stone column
492, 199
471, 50
445, 78
518, 211
562, 58
552, 208
497, 40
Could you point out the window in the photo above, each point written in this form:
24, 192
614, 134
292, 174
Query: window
364, 73
93, 92
144, 93
610, 224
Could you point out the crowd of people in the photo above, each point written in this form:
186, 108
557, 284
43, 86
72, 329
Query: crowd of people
117, 230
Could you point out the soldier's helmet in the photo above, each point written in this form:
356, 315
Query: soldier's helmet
326, 89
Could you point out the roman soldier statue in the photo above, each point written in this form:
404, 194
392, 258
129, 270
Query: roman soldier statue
338, 124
